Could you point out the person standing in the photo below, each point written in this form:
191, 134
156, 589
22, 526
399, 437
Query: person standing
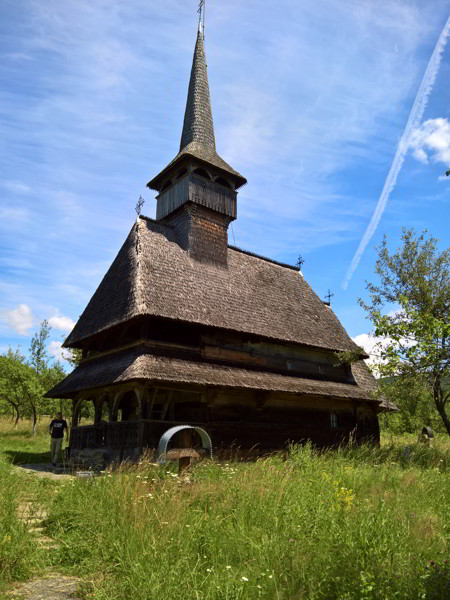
56, 429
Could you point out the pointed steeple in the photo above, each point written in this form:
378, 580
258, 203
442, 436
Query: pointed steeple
198, 125
197, 139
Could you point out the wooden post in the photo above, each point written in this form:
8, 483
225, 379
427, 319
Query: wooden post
184, 441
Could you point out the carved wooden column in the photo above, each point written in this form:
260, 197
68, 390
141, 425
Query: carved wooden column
113, 407
98, 405
141, 394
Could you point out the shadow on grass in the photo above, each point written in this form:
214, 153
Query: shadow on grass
18, 433
407, 456
22, 457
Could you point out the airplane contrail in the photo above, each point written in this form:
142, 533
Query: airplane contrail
415, 116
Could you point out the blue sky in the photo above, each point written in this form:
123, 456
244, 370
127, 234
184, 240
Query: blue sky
310, 100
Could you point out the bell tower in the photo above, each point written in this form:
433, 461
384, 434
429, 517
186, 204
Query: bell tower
197, 191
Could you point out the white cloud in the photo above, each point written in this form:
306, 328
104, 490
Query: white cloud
421, 155
372, 345
61, 323
57, 351
17, 187
431, 141
20, 319
321, 91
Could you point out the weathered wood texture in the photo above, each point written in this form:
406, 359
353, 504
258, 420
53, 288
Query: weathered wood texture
196, 189
245, 421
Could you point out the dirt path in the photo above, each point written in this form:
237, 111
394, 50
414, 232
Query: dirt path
45, 470
51, 586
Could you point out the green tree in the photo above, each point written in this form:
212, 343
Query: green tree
73, 356
21, 386
50, 372
10, 396
52, 375
39, 358
415, 403
23, 383
415, 283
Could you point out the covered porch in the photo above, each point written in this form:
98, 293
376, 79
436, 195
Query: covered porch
125, 420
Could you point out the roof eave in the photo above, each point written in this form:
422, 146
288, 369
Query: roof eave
155, 183
79, 342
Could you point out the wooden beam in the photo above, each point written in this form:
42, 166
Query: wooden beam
178, 453
152, 402
166, 405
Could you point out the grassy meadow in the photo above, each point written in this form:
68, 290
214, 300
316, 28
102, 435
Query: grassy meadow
354, 524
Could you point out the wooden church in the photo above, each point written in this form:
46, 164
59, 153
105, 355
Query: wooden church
187, 329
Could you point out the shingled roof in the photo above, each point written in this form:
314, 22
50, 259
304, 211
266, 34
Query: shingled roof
139, 363
153, 275
197, 138
198, 122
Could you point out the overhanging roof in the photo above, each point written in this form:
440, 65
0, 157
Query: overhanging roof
152, 275
140, 364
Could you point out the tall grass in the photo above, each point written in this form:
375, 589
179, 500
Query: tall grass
18, 445
354, 524
19, 554
357, 524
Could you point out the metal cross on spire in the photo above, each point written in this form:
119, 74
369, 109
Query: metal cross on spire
329, 296
201, 14
139, 205
300, 261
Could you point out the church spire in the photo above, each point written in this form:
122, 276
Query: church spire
198, 144
198, 125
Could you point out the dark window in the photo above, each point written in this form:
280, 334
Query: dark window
166, 185
202, 173
333, 420
223, 181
